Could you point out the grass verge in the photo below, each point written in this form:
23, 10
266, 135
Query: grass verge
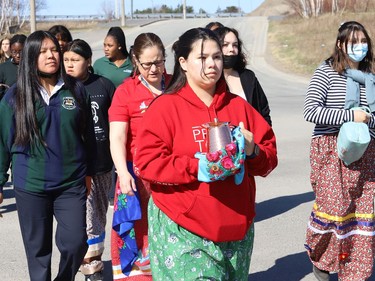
300, 45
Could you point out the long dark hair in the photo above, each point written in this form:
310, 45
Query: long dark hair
119, 35
182, 48
339, 60
221, 32
28, 88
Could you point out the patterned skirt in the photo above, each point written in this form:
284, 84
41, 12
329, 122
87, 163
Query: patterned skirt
341, 230
96, 219
140, 269
179, 255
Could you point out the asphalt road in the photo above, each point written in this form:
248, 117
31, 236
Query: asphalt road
284, 198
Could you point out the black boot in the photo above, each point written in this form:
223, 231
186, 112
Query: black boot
320, 275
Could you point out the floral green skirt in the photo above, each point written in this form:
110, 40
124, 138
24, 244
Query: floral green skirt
178, 254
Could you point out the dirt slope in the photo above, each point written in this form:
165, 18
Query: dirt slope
272, 8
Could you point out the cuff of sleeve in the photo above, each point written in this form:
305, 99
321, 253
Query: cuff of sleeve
349, 115
260, 154
194, 162
255, 153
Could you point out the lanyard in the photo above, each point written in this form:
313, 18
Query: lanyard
144, 82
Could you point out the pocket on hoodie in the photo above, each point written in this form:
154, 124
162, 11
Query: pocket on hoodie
210, 218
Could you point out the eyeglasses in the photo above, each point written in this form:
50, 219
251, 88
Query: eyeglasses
15, 53
147, 65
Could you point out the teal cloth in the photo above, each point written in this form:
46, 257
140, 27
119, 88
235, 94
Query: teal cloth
226, 162
354, 79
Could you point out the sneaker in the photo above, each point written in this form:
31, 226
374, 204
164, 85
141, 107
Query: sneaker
320, 275
91, 268
97, 276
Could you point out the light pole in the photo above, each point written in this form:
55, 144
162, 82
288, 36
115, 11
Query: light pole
116, 9
184, 9
122, 12
131, 9
32, 16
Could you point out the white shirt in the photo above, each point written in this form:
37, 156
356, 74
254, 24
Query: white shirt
46, 97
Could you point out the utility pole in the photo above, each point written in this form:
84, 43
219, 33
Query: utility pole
122, 12
131, 9
184, 9
32, 16
116, 9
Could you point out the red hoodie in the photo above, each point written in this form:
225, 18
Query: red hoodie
171, 133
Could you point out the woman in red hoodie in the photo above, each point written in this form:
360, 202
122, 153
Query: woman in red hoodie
201, 215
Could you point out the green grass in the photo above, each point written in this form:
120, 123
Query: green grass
300, 45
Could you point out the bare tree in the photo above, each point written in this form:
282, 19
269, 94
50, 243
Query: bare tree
15, 12
305, 8
107, 10
20, 8
312, 8
40, 5
319, 7
6, 15
335, 6
315, 8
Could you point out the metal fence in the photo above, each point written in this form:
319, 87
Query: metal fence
136, 16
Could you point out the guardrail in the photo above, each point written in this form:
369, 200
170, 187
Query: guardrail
136, 16
188, 15
69, 17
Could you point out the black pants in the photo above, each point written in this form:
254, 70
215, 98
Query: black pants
35, 213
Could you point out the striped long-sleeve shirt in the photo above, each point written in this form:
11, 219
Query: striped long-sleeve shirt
325, 102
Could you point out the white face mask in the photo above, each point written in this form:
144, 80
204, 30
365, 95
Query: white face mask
357, 52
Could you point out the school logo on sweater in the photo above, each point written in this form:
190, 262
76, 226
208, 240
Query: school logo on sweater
69, 103
143, 107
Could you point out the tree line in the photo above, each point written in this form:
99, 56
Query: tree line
164, 9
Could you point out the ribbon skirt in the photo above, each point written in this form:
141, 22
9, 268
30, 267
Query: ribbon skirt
341, 229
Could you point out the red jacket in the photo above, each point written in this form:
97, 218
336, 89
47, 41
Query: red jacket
171, 133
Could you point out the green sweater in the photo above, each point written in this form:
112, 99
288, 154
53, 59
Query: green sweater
66, 159
8, 76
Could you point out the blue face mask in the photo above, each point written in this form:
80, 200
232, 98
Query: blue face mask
357, 52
